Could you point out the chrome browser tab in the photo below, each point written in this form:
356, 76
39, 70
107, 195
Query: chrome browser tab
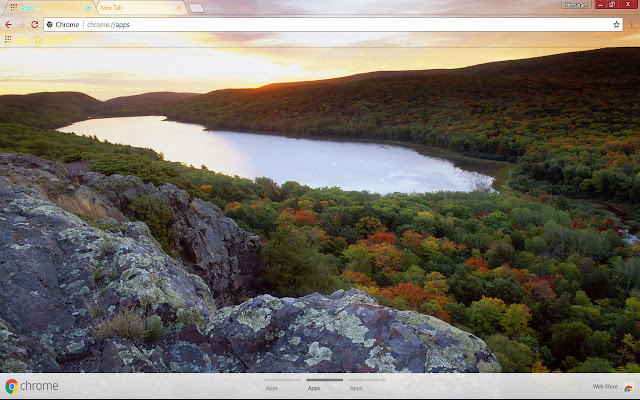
196, 8
142, 7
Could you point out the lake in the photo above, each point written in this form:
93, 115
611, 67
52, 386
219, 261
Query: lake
349, 165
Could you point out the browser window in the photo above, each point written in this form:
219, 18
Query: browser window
348, 199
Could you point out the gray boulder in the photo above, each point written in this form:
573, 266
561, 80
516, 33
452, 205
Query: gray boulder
344, 332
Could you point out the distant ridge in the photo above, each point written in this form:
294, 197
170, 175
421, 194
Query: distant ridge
149, 99
599, 63
47, 109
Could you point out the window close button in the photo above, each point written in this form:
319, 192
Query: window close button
628, 4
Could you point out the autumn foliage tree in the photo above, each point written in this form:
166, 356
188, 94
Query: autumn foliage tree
305, 217
477, 264
412, 294
382, 237
412, 241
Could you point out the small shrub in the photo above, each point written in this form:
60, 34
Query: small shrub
82, 207
158, 216
188, 317
128, 323
98, 272
155, 329
113, 275
42, 147
107, 246
94, 309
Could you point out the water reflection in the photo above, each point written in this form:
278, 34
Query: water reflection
316, 163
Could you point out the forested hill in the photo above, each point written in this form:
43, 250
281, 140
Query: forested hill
56, 109
47, 109
575, 65
492, 110
149, 98
571, 123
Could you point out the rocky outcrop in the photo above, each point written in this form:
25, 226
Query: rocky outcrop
224, 255
211, 245
344, 332
61, 277
82, 296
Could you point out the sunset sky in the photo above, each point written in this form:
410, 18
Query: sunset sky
132, 63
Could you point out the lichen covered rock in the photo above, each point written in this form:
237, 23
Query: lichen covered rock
62, 277
213, 246
344, 332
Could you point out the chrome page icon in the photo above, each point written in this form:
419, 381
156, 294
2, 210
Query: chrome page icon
628, 386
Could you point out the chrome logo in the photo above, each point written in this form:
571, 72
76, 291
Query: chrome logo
628, 388
11, 386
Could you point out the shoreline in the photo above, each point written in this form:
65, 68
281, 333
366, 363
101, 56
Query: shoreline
498, 170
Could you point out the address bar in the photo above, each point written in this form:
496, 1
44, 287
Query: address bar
332, 24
